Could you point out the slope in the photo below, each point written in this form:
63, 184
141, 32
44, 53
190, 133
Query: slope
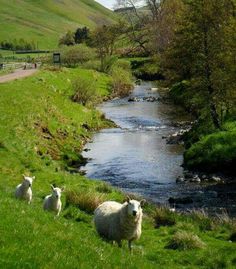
43, 21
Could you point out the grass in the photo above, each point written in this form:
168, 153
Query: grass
184, 241
45, 21
40, 130
214, 152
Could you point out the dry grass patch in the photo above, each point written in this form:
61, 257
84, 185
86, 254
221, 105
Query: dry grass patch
164, 217
185, 241
86, 201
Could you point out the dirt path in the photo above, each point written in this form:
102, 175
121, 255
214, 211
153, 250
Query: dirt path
17, 74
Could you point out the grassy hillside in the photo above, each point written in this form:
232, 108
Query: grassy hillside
41, 133
45, 20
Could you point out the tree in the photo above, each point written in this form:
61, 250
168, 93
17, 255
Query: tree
81, 35
201, 53
104, 39
68, 39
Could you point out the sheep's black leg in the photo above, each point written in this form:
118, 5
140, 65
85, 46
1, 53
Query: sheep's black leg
119, 244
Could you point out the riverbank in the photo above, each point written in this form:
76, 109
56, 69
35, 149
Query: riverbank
42, 133
208, 149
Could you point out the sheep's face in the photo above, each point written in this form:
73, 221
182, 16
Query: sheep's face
56, 192
27, 182
134, 207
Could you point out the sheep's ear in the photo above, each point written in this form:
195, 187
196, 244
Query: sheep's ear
128, 199
52, 187
24, 176
33, 177
142, 202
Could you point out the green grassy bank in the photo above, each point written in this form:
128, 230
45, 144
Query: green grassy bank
207, 148
42, 133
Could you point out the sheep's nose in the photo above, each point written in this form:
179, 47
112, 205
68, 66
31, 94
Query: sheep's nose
134, 213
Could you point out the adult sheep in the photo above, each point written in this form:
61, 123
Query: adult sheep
117, 222
23, 190
52, 202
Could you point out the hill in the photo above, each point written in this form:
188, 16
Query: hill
42, 133
43, 21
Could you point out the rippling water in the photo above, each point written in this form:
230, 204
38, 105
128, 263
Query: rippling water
135, 157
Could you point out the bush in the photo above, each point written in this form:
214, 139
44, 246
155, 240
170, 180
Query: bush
164, 217
74, 55
124, 64
86, 201
108, 63
92, 64
185, 241
121, 82
85, 91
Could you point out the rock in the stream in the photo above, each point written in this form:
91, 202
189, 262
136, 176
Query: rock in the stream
180, 179
182, 200
195, 179
216, 179
212, 194
150, 99
174, 139
154, 89
133, 99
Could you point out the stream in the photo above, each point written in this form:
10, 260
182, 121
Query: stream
136, 158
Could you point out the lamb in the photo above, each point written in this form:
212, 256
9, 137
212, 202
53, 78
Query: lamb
23, 190
52, 202
117, 222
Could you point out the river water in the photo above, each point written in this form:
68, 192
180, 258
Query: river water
135, 157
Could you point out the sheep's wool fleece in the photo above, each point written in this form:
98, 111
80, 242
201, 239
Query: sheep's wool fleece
113, 222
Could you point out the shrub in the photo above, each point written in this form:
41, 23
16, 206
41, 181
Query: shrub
124, 64
108, 63
86, 201
121, 82
185, 241
85, 91
164, 217
74, 55
92, 64
204, 222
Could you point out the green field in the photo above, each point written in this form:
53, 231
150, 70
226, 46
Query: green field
44, 21
42, 133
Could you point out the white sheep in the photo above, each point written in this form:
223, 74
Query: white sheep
117, 222
52, 202
23, 190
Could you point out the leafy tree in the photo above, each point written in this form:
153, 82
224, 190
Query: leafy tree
104, 39
68, 39
81, 35
202, 52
